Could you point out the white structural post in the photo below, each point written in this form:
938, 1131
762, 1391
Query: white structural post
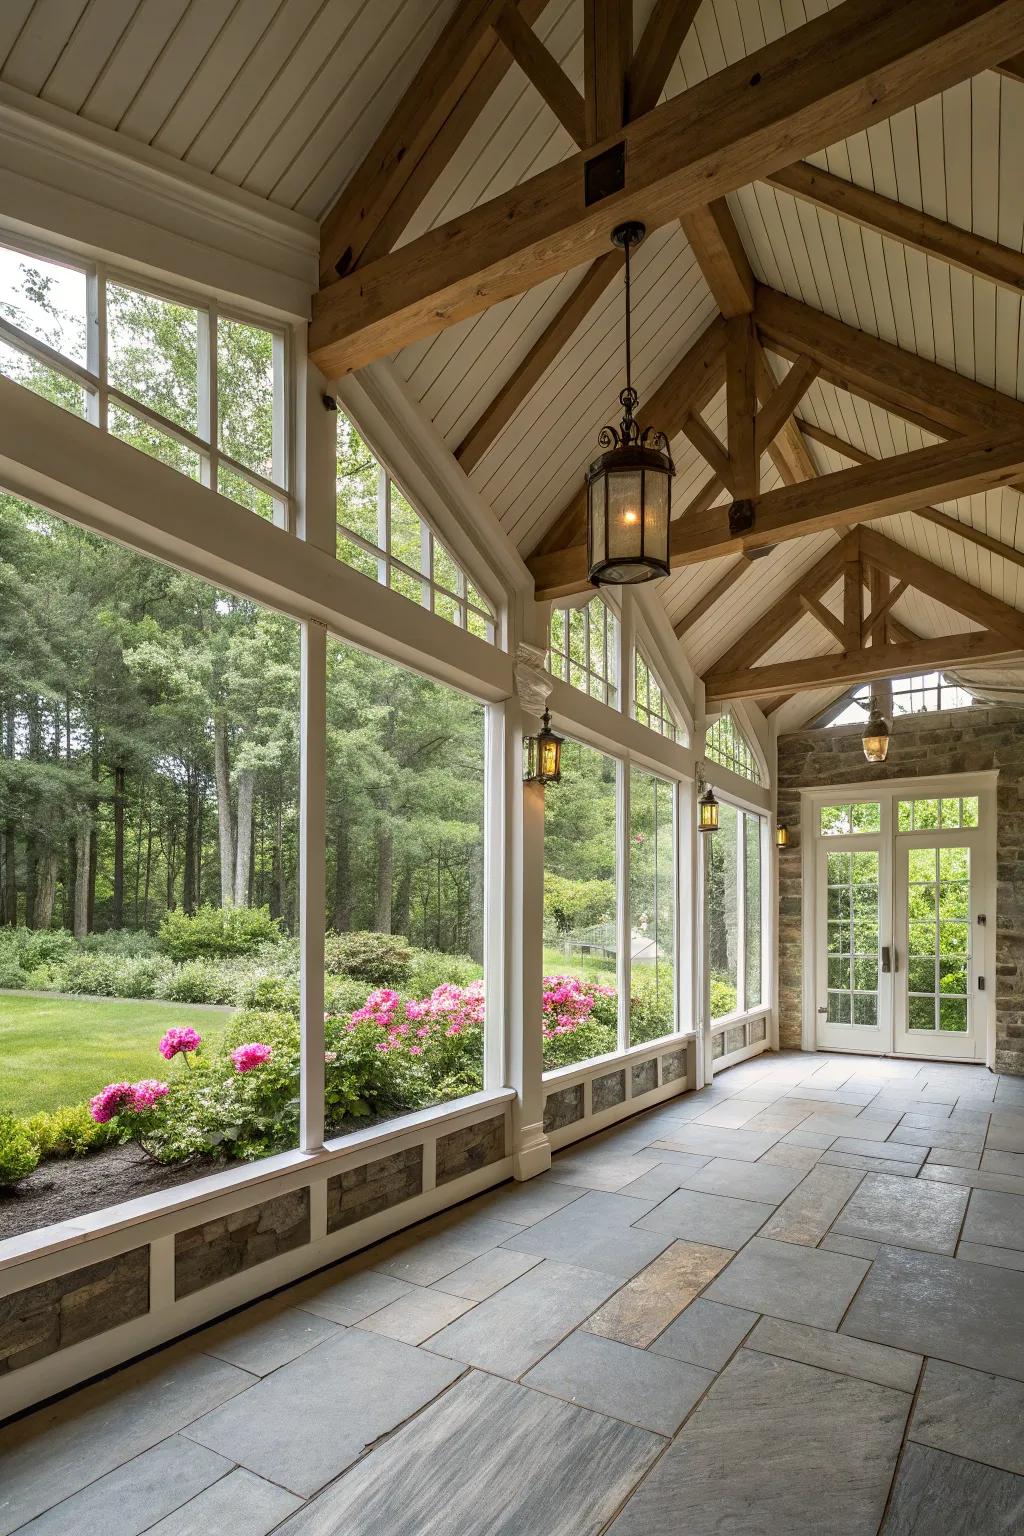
317, 520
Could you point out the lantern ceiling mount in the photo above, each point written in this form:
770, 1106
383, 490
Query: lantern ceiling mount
629, 487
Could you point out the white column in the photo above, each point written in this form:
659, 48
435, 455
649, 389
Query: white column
524, 925
316, 492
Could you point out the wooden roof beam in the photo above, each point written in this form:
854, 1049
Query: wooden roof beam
745, 121
865, 665
715, 241
656, 52
465, 64
903, 382
935, 581
607, 55
543, 71
965, 531
839, 500
707, 600
538, 359
935, 237
768, 628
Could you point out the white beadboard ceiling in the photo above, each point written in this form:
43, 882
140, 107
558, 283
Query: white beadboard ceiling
285, 97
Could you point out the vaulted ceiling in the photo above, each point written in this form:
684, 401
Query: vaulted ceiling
288, 98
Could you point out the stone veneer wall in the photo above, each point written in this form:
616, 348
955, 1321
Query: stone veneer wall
960, 741
39, 1320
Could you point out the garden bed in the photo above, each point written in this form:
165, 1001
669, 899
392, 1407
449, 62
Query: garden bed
62, 1188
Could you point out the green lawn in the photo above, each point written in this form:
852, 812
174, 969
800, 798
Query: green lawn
56, 1050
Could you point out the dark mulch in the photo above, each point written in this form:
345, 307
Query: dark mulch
61, 1189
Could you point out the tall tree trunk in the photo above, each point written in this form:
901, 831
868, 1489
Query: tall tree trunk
243, 839
81, 919
343, 892
46, 889
138, 854
9, 893
31, 863
277, 890
117, 907
225, 824
149, 871
385, 872
94, 768
188, 888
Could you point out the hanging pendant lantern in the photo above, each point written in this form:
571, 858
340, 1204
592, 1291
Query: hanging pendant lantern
875, 739
544, 755
629, 488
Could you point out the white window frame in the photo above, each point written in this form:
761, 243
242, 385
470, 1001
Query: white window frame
387, 561
93, 377
612, 648
743, 1014
667, 726
731, 763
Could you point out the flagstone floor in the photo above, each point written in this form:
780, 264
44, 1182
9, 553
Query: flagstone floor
791, 1303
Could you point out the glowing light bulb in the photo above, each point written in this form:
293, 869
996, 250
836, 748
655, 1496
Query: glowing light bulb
629, 517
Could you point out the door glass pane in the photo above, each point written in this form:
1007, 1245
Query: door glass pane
721, 917
851, 904
939, 907
652, 907
580, 911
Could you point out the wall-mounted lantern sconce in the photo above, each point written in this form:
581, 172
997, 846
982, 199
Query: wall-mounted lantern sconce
781, 836
875, 739
544, 755
707, 805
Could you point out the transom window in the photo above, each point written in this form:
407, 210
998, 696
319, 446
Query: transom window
949, 813
188, 383
844, 820
910, 696
725, 743
650, 706
583, 649
381, 534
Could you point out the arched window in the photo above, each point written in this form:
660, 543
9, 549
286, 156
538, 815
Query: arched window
382, 534
583, 648
725, 743
650, 706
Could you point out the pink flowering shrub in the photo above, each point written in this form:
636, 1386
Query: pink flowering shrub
432, 1046
251, 1055
180, 1039
126, 1098
579, 1020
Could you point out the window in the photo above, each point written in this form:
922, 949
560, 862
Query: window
847, 820
580, 910
724, 743
406, 883
733, 912
200, 390
950, 814
381, 534
652, 907
910, 696
584, 648
650, 707
149, 814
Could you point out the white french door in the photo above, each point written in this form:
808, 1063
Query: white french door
939, 990
854, 1008
901, 925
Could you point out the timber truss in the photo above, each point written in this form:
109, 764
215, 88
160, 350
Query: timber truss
835, 76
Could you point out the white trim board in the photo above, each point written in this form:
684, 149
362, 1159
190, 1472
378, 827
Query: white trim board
99, 194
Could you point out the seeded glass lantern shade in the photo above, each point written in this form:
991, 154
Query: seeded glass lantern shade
629, 488
544, 755
707, 811
875, 739
629, 501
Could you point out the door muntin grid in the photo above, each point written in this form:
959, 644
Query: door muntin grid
938, 939
852, 937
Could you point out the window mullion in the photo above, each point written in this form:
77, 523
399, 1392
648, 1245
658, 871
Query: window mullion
206, 373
